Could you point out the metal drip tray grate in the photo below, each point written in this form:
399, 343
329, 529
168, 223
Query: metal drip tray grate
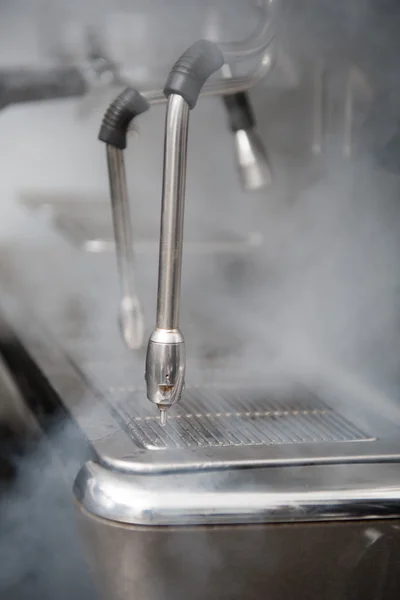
215, 417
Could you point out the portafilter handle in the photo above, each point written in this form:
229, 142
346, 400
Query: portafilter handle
114, 128
165, 360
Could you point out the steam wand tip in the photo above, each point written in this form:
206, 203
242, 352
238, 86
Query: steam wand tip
163, 416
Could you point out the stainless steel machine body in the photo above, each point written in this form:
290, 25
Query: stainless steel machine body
291, 489
285, 488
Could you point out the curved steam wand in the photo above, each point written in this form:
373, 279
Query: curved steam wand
128, 105
165, 360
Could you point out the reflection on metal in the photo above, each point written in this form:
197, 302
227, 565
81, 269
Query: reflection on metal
251, 160
303, 560
165, 359
250, 154
131, 318
243, 497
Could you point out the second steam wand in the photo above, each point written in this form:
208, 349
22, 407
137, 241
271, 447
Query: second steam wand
128, 105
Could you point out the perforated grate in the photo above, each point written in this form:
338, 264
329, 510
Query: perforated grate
216, 417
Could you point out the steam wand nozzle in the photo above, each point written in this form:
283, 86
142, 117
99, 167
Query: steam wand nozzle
128, 105
250, 154
165, 360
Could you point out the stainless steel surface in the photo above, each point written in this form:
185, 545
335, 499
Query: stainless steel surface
250, 154
350, 560
247, 496
172, 213
165, 361
251, 160
130, 313
113, 419
165, 368
230, 417
108, 416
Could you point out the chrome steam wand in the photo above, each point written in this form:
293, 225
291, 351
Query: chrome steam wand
128, 105
165, 360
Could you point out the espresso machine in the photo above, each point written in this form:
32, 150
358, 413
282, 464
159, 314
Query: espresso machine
242, 489
206, 474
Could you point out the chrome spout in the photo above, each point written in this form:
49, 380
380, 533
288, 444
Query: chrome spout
251, 160
113, 132
250, 154
165, 360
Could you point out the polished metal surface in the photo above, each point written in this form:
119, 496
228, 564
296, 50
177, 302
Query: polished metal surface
165, 369
351, 560
208, 418
250, 154
131, 318
242, 497
165, 361
251, 160
112, 418
172, 213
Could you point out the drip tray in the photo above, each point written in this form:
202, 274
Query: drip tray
327, 418
215, 418
238, 426
87, 225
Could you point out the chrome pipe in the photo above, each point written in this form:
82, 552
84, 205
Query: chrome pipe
166, 360
172, 213
131, 318
113, 132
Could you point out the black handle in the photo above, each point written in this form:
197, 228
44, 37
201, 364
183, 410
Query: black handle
192, 70
114, 128
28, 85
240, 112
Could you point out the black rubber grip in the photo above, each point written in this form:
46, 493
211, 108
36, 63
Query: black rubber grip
114, 128
240, 112
192, 70
30, 85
